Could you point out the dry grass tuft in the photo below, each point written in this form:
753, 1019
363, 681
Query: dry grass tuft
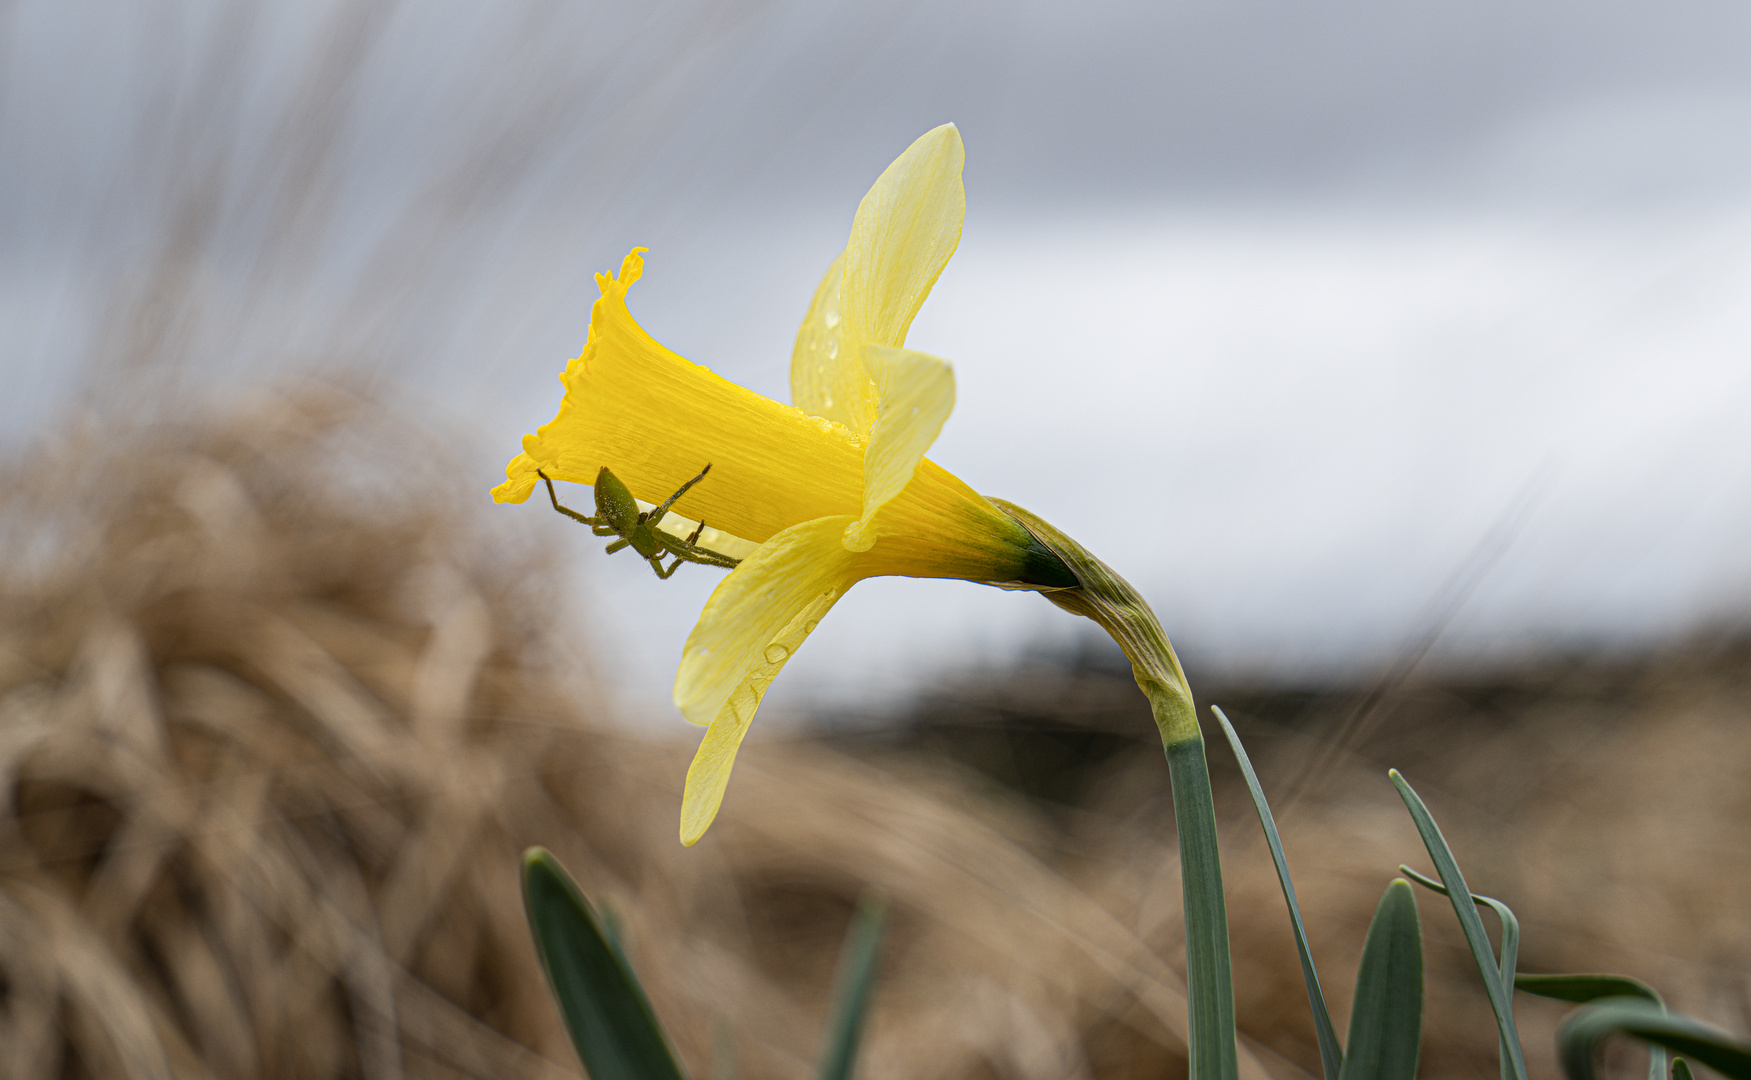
258, 798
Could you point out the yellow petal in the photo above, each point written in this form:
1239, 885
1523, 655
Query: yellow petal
709, 774
906, 228
915, 392
826, 375
733, 642
750, 628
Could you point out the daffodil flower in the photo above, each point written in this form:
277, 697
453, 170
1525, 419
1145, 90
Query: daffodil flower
832, 489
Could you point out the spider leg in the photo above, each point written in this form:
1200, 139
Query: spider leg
657, 565
684, 549
595, 523
663, 508
618, 544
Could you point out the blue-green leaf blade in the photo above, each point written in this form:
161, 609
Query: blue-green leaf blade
1331, 1055
1386, 1015
1578, 1038
1209, 968
1469, 921
857, 971
610, 1019
1681, 1069
1510, 953
1584, 988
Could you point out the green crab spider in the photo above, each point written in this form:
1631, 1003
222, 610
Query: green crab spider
617, 514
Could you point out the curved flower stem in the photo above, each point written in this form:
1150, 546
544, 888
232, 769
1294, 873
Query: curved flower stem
1110, 601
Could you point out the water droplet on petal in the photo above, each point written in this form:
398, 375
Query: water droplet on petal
833, 350
830, 317
809, 627
776, 653
827, 400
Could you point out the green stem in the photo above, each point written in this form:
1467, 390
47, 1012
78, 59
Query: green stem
1209, 981
1109, 600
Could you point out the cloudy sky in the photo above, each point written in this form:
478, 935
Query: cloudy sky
1309, 320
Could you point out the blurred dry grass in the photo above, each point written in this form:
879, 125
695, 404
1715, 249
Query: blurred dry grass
244, 674
278, 711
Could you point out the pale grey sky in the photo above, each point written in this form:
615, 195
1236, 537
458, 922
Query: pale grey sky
1284, 307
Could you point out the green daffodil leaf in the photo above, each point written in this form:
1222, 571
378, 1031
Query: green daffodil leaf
1386, 1014
610, 1019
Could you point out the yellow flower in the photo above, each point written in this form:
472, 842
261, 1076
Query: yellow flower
833, 490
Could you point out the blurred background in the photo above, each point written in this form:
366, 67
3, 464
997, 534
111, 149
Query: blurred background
1398, 354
